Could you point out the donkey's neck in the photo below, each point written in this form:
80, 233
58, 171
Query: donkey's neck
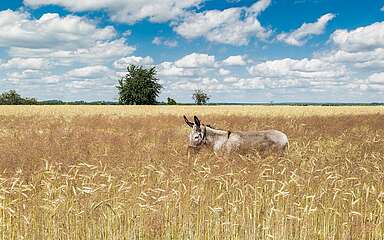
216, 138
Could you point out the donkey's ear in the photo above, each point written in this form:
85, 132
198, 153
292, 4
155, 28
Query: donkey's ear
187, 121
197, 121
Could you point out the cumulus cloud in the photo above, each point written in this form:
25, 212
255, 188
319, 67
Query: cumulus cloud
206, 83
360, 49
157, 41
196, 70
377, 78
360, 39
27, 76
90, 72
230, 26
299, 36
124, 62
25, 63
224, 72
301, 68
126, 11
237, 60
169, 69
196, 60
127, 33
249, 83
194, 65
98, 52
64, 39
259, 6
18, 29
373, 59
166, 42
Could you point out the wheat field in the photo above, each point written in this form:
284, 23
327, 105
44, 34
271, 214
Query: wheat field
117, 172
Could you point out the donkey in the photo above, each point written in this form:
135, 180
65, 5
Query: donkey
240, 141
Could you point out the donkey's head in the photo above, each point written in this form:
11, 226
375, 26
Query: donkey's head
197, 137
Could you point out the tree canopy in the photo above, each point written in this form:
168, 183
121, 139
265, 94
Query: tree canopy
13, 98
171, 101
200, 97
139, 86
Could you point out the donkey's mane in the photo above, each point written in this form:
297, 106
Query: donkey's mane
219, 131
214, 128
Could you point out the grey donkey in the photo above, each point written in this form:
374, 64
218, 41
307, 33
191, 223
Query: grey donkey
222, 141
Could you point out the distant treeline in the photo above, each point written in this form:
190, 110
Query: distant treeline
59, 102
13, 98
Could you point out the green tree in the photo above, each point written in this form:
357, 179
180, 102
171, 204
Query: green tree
139, 86
13, 98
171, 101
200, 97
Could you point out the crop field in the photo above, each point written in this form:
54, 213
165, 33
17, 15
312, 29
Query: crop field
118, 172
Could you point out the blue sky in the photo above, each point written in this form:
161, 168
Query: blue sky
236, 50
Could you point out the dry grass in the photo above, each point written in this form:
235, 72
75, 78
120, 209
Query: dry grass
128, 177
123, 111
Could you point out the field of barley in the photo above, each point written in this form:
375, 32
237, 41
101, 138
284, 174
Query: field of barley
122, 172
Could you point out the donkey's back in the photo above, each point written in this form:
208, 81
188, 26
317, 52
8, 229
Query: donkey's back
264, 140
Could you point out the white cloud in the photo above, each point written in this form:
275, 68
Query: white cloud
373, 59
168, 69
231, 79
299, 36
127, 33
124, 62
98, 52
189, 67
126, 11
237, 60
88, 72
75, 86
166, 42
18, 29
199, 24
259, 6
52, 79
170, 43
360, 49
205, 83
249, 83
195, 60
224, 72
310, 69
24, 76
196, 70
62, 40
157, 41
360, 39
376, 78
230, 26
26, 63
